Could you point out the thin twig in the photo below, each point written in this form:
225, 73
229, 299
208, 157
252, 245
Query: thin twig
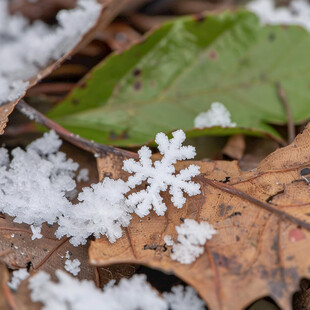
90, 146
290, 121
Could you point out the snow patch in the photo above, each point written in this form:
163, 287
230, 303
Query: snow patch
190, 241
298, 12
17, 278
217, 115
129, 294
26, 47
73, 266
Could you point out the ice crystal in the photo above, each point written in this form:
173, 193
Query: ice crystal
218, 115
298, 12
101, 211
27, 47
191, 238
161, 175
73, 266
70, 293
183, 298
33, 185
17, 278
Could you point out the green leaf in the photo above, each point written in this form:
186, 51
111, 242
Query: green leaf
164, 82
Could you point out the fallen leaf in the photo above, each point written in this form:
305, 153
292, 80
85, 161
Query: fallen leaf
179, 70
110, 8
5, 297
263, 222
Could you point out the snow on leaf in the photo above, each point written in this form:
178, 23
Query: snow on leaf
161, 175
298, 12
183, 298
101, 211
18, 276
73, 266
129, 294
27, 48
191, 238
217, 115
33, 185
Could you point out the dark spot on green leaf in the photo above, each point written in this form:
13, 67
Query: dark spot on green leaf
212, 55
136, 72
75, 101
137, 85
271, 37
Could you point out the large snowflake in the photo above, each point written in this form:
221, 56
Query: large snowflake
161, 175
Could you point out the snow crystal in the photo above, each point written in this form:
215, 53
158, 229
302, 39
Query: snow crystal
17, 278
183, 298
101, 211
129, 294
161, 175
191, 238
298, 12
36, 232
28, 47
168, 240
217, 115
83, 175
73, 266
34, 183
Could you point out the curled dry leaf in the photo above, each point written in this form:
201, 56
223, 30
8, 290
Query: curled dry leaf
109, 9
263, 222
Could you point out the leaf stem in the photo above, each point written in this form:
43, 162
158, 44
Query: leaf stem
99, 150
236, 192
290, 122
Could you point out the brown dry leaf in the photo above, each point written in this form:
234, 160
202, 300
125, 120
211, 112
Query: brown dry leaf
263, 222
5, 297
110, 8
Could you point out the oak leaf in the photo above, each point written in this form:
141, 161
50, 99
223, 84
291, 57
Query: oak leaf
263, 222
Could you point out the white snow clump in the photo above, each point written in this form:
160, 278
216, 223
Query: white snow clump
70, 293
217, 115
73, 266
33, 185
183, 298
17, 277
101, 211
27, 47
190, 241
129, 294
298, 12
161, 175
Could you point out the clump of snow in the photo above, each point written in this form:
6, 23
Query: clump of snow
168, 240
101, 211
33, 185
298, 12
183, 298
28, 47
36, 232
217, 115
161, 175
73, 266
129, 294
17, 278
83, 175
190, 241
